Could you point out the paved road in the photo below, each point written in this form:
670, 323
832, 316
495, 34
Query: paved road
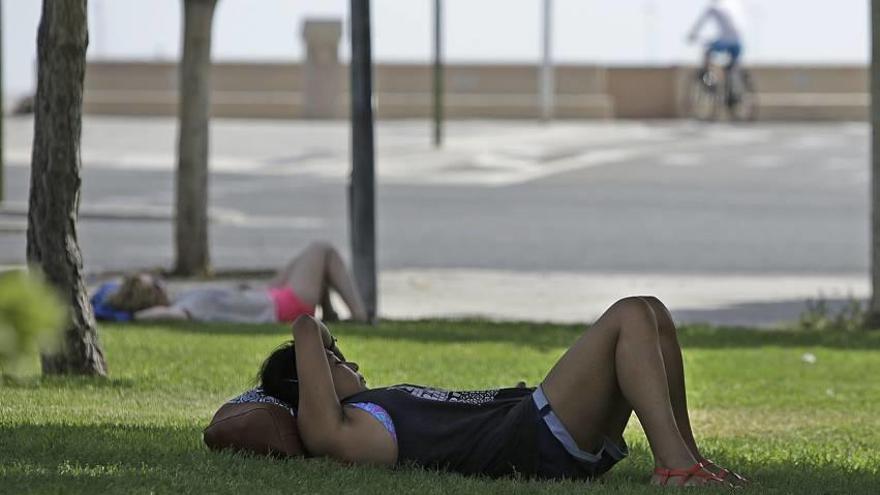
614, 205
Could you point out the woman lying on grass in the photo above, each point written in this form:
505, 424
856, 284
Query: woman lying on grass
571, 426
295, 291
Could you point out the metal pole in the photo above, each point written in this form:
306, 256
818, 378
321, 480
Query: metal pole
362, 202
2, 108
547, 82
438, 73
873, 318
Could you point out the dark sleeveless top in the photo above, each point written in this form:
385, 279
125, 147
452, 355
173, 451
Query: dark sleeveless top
487, 432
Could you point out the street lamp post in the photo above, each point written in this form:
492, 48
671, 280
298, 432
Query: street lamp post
362, 197
438, 73
874, 307
547, 81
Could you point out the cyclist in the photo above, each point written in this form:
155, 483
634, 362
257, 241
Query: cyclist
730, 20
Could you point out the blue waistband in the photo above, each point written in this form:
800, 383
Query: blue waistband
562, 434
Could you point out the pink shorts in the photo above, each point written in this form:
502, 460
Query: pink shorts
288, 306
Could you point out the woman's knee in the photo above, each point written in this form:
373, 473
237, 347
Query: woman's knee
321, 246
661, 312
653, 302
318, 253
637, 310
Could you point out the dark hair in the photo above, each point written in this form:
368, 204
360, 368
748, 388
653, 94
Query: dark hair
135, 294
278, 376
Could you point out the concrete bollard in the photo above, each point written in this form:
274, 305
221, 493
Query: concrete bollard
322, 85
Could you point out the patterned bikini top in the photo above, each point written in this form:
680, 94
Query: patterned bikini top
258, 395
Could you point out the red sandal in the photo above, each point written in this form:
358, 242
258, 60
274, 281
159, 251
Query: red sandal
695, 471
723, 473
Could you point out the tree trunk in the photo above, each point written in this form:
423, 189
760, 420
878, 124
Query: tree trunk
191, 228
55, 181
874, 309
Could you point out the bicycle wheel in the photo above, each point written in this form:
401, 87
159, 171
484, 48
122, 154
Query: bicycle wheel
742, 98
702, 97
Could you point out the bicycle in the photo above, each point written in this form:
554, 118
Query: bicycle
720, 86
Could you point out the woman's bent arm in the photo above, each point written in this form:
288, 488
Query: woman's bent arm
325, 426
320, 414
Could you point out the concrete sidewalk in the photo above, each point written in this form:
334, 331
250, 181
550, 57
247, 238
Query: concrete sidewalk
755, 300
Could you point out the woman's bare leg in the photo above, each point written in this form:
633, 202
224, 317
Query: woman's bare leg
342, 282
616, 364
671, 351
315, 269
328, 313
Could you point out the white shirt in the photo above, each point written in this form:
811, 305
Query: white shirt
227, 305
728, 15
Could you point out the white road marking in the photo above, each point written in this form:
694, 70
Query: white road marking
477, 153
682, 160
220, 216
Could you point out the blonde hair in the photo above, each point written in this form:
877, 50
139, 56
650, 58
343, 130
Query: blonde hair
135, 293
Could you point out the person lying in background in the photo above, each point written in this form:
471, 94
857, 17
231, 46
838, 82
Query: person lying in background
296, 290
569, 427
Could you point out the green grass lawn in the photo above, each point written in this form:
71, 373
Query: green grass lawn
794, 427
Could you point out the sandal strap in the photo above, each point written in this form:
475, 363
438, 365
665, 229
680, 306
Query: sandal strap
665, 473
723, 472
706, 462
695, 471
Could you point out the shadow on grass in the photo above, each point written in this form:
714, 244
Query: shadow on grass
753, 314
706, 337
205, 328
136, 459
543, 335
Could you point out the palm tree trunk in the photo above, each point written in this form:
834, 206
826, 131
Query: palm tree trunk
55, 181
191, 228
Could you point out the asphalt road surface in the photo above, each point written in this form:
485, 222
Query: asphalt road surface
643, 201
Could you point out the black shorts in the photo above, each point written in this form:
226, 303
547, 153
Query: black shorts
555, 461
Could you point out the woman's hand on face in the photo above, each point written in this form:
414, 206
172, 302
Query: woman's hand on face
327, 338
334, 357
334, 349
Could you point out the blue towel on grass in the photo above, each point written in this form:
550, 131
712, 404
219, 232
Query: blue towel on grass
104, 311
